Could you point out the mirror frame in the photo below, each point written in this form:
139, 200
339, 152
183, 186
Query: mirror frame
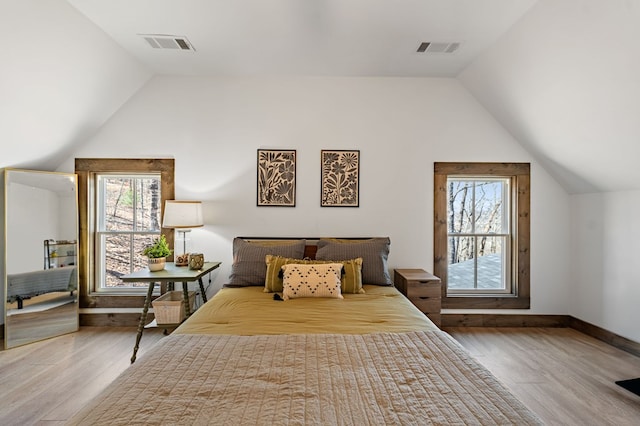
70, 324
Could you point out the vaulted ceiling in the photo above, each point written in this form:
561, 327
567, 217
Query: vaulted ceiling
560, 75
318, 37
565, 81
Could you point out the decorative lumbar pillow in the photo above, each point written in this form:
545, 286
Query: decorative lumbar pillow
248, 266
374, 253
351, 281
316, 280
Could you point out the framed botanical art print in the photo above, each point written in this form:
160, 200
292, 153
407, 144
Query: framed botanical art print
276, 177
340, 178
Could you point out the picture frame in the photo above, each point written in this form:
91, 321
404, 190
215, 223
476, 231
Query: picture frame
340, 178
276, 178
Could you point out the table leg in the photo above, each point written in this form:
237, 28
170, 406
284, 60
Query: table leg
143, 320
185, 299
204, 296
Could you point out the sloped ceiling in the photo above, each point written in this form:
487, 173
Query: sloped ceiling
61, 79
565, 81
560, 75
315, 37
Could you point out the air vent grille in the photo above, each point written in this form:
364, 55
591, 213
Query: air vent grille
166, 41
438, 47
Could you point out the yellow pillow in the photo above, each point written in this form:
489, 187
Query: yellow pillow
311, 280
351, 281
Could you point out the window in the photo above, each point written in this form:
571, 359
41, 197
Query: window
481, 234
120, 206
478, 235
128, 219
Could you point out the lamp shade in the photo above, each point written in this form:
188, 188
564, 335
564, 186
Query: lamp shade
182, 214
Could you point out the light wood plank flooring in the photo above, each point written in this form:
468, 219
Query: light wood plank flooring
47, 382
563, 375
566, 377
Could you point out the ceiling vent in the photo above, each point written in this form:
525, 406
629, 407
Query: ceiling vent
438, 47
166, 41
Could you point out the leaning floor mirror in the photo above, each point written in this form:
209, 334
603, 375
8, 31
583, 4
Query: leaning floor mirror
38, 267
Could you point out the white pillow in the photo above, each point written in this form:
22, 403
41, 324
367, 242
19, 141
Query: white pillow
311, 280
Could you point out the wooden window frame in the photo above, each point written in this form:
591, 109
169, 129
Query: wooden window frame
87, 169
520, 175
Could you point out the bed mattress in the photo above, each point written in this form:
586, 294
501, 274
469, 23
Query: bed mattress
251, 311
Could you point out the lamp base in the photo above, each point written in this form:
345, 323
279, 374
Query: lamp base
183, 259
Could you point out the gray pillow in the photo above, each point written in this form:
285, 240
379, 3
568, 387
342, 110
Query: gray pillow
249, 266
373, 251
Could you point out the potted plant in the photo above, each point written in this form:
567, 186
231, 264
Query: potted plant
157, 253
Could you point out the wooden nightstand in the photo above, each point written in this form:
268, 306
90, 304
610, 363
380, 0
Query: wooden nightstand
422, 289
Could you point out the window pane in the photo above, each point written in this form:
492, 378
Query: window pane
130, 204
118, 195
117, 258
489, 207
148, 204
122, 256
459, 214
491, 268
461, 274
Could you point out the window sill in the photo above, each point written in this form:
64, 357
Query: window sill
483, 302
109, 300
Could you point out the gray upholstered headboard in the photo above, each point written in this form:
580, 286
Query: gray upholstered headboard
310, 247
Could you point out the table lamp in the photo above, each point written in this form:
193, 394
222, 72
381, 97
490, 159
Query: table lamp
181, 216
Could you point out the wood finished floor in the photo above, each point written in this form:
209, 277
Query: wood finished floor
566, 377
47, 382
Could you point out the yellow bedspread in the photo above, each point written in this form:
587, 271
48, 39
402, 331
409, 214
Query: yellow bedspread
246, 359
250, 311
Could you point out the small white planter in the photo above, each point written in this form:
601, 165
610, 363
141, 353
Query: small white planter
156, 263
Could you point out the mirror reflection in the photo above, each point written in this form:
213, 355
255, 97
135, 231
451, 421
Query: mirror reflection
40, 264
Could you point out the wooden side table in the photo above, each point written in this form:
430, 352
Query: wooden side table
422, 289
170, 274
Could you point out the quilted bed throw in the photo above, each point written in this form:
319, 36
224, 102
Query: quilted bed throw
307, 379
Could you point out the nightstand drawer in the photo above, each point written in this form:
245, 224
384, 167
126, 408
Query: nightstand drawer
426, 305
419, 289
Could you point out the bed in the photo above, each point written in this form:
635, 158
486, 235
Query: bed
364, 356
26, 285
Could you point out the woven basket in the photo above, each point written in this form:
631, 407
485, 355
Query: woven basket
169, 309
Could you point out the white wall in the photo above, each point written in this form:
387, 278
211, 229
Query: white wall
213, 127
605, 236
